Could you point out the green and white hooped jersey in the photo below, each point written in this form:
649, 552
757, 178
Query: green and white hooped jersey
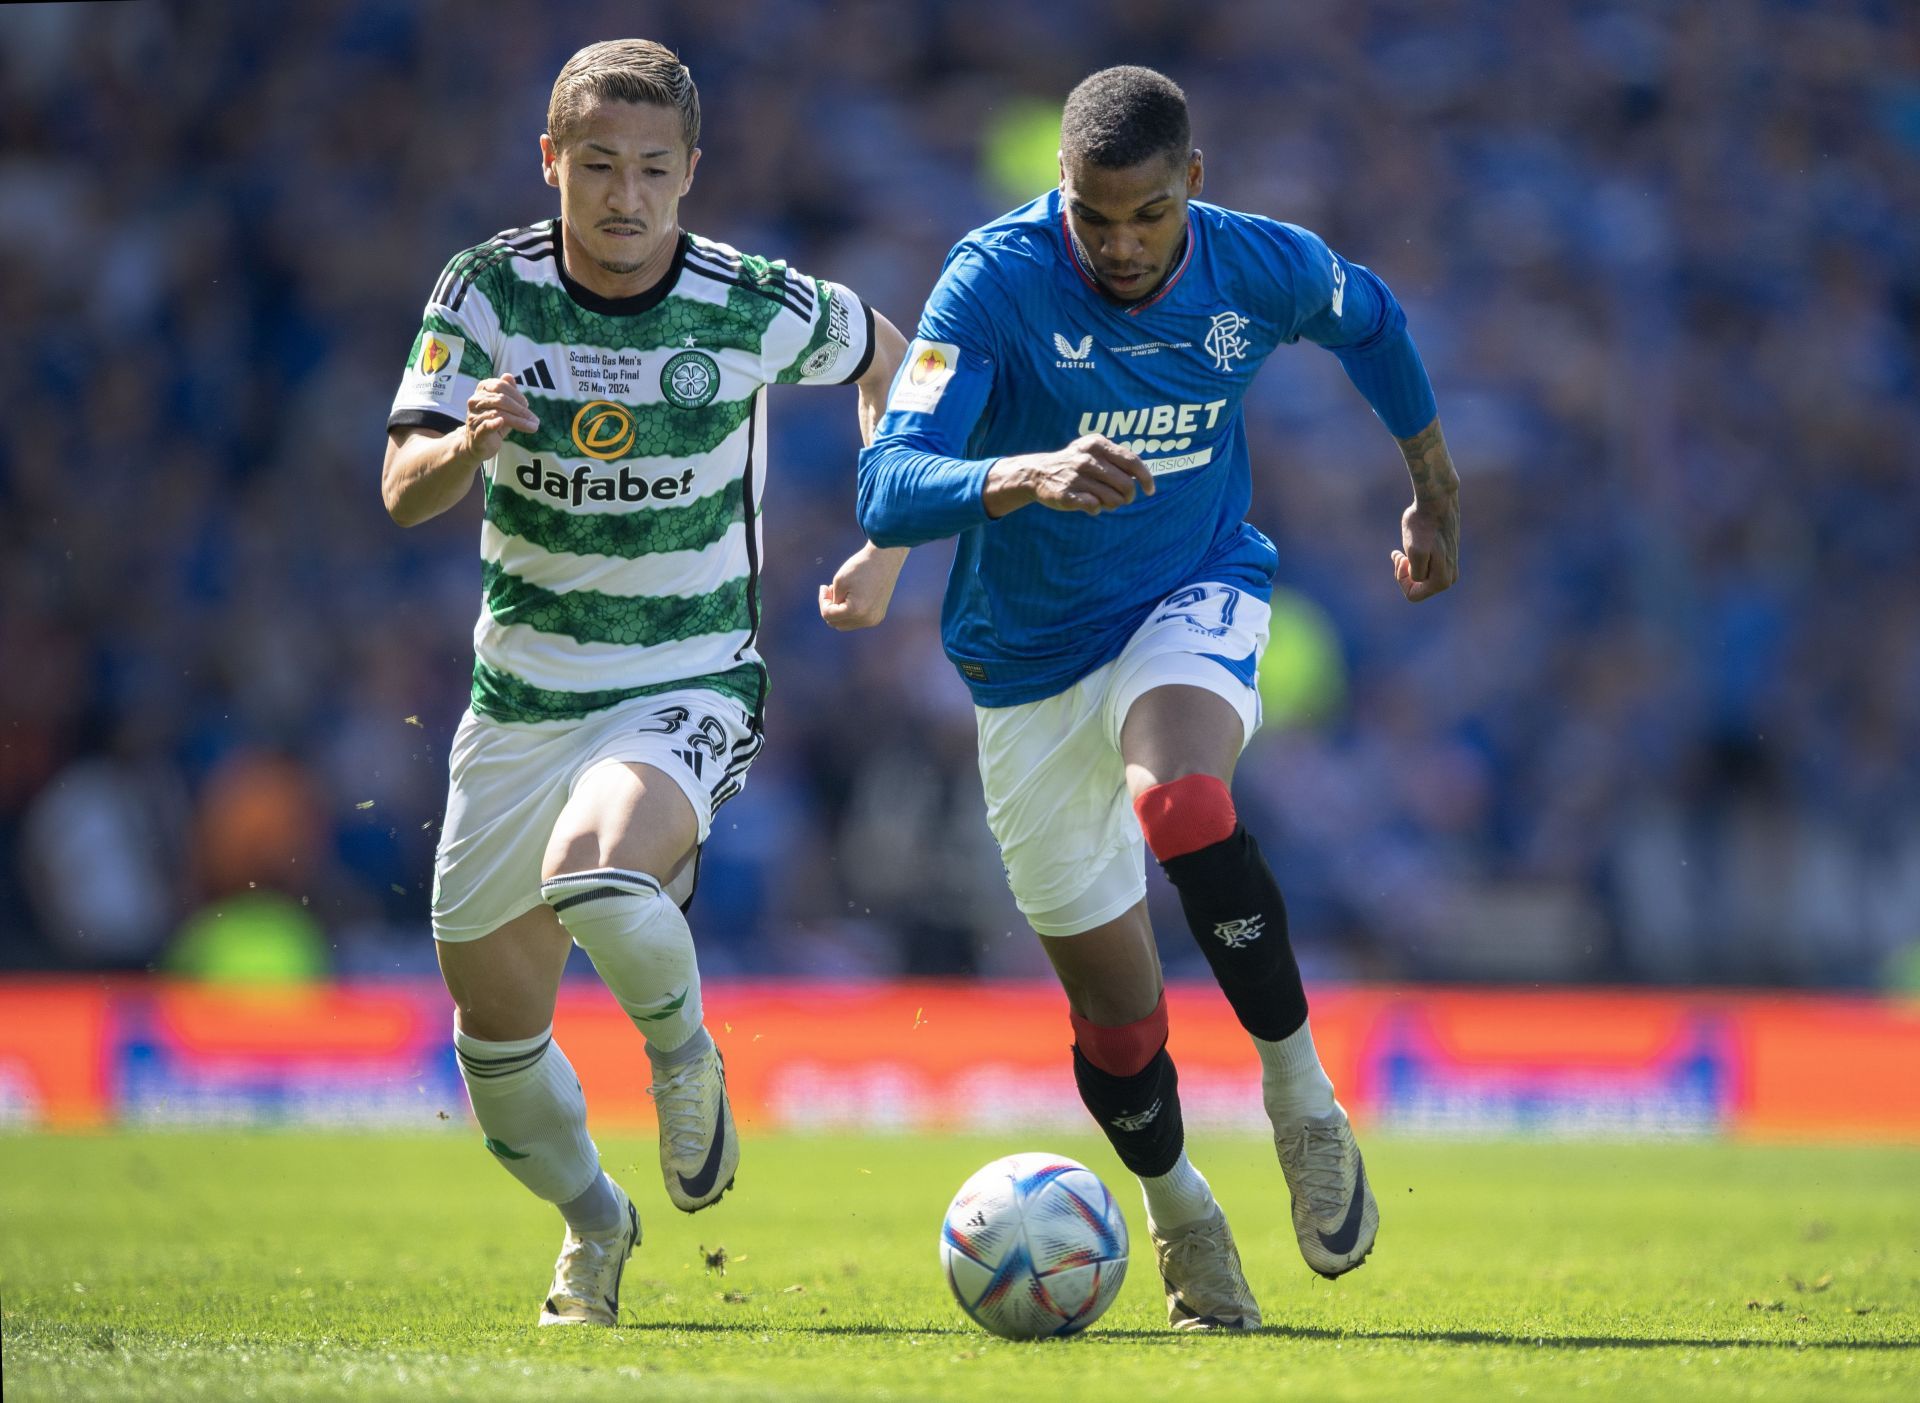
621, 550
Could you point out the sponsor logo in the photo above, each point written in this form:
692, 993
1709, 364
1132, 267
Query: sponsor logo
1346, 1237
603, 430
1155, 420
1075, 356
503, 1149
690, 379
580, 486
432, 372
536, 376
703, 1179
1339, 287
667, 1009
1237, 935
1157, 428
1139, 1120
1224, 342
1180, 463
930, 366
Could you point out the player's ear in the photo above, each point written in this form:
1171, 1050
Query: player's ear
1060, 159
1196, 174
693, 159
549, 161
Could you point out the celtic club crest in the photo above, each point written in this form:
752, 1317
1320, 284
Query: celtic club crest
690, 379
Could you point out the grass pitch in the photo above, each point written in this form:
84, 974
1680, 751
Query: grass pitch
306, 1266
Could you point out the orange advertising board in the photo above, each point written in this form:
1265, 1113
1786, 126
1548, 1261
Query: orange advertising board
826, 1056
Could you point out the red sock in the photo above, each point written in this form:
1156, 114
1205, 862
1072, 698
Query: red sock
1122, 1051
1185, 815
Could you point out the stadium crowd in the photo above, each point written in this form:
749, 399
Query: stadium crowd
1663, 261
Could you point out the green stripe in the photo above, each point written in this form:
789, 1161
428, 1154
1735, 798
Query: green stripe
588, 616
627, 535
475, 364
543, 312
504, 697
659, 430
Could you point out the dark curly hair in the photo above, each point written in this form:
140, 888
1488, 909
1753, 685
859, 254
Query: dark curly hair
1119, 117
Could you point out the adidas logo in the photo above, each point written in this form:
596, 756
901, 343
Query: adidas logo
536, 375
1236, 934
692, 759
1139, 1120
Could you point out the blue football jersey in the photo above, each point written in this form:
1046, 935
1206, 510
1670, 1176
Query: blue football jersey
1020, 351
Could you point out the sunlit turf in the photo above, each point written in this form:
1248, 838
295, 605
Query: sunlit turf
303, 1266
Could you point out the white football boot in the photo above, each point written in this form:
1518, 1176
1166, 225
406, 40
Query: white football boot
699, 1151
586, 1278
1335, 1215
1200, 1268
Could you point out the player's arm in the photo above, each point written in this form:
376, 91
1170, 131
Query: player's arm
918, 480
432, 451
427, 470
1428, 560
862, 587
1345, 308
1091, 474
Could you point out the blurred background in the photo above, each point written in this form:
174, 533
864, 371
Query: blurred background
1663, 262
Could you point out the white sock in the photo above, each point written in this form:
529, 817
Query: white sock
639, 943
1176, 1198
595, 1211
530, 1108
1292, 1081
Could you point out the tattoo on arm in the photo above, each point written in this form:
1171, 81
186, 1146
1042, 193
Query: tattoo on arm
1430, 466
1436, 487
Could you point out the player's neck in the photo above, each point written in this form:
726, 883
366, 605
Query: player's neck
582, 268
1086, 267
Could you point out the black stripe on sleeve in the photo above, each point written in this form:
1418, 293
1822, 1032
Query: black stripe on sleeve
866, 360
422, 419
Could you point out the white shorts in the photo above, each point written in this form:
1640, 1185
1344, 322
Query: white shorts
1056, 787
510, 782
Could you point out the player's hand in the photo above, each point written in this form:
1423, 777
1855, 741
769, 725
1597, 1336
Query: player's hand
1428, 560
496, 409
1092, 474
862, 588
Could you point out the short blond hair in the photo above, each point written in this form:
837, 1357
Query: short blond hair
622, 70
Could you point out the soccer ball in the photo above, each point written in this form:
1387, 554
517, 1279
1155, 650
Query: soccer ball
1034, 1246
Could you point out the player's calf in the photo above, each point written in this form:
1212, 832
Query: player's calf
1239, 919
639, 943
1128, 1082
638, 940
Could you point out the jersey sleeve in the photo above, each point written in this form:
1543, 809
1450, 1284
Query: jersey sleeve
453, 352
917, 482
823, 335
1344, 308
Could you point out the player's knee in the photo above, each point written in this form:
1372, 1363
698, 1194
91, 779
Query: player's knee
1185, 815
1123, 1050
575, 891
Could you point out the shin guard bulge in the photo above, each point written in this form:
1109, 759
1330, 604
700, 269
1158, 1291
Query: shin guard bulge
1231, 900
532, 1112
1127, 1081
639, 943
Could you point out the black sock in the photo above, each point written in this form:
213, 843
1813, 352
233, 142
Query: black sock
1140, 1113
1234, 907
